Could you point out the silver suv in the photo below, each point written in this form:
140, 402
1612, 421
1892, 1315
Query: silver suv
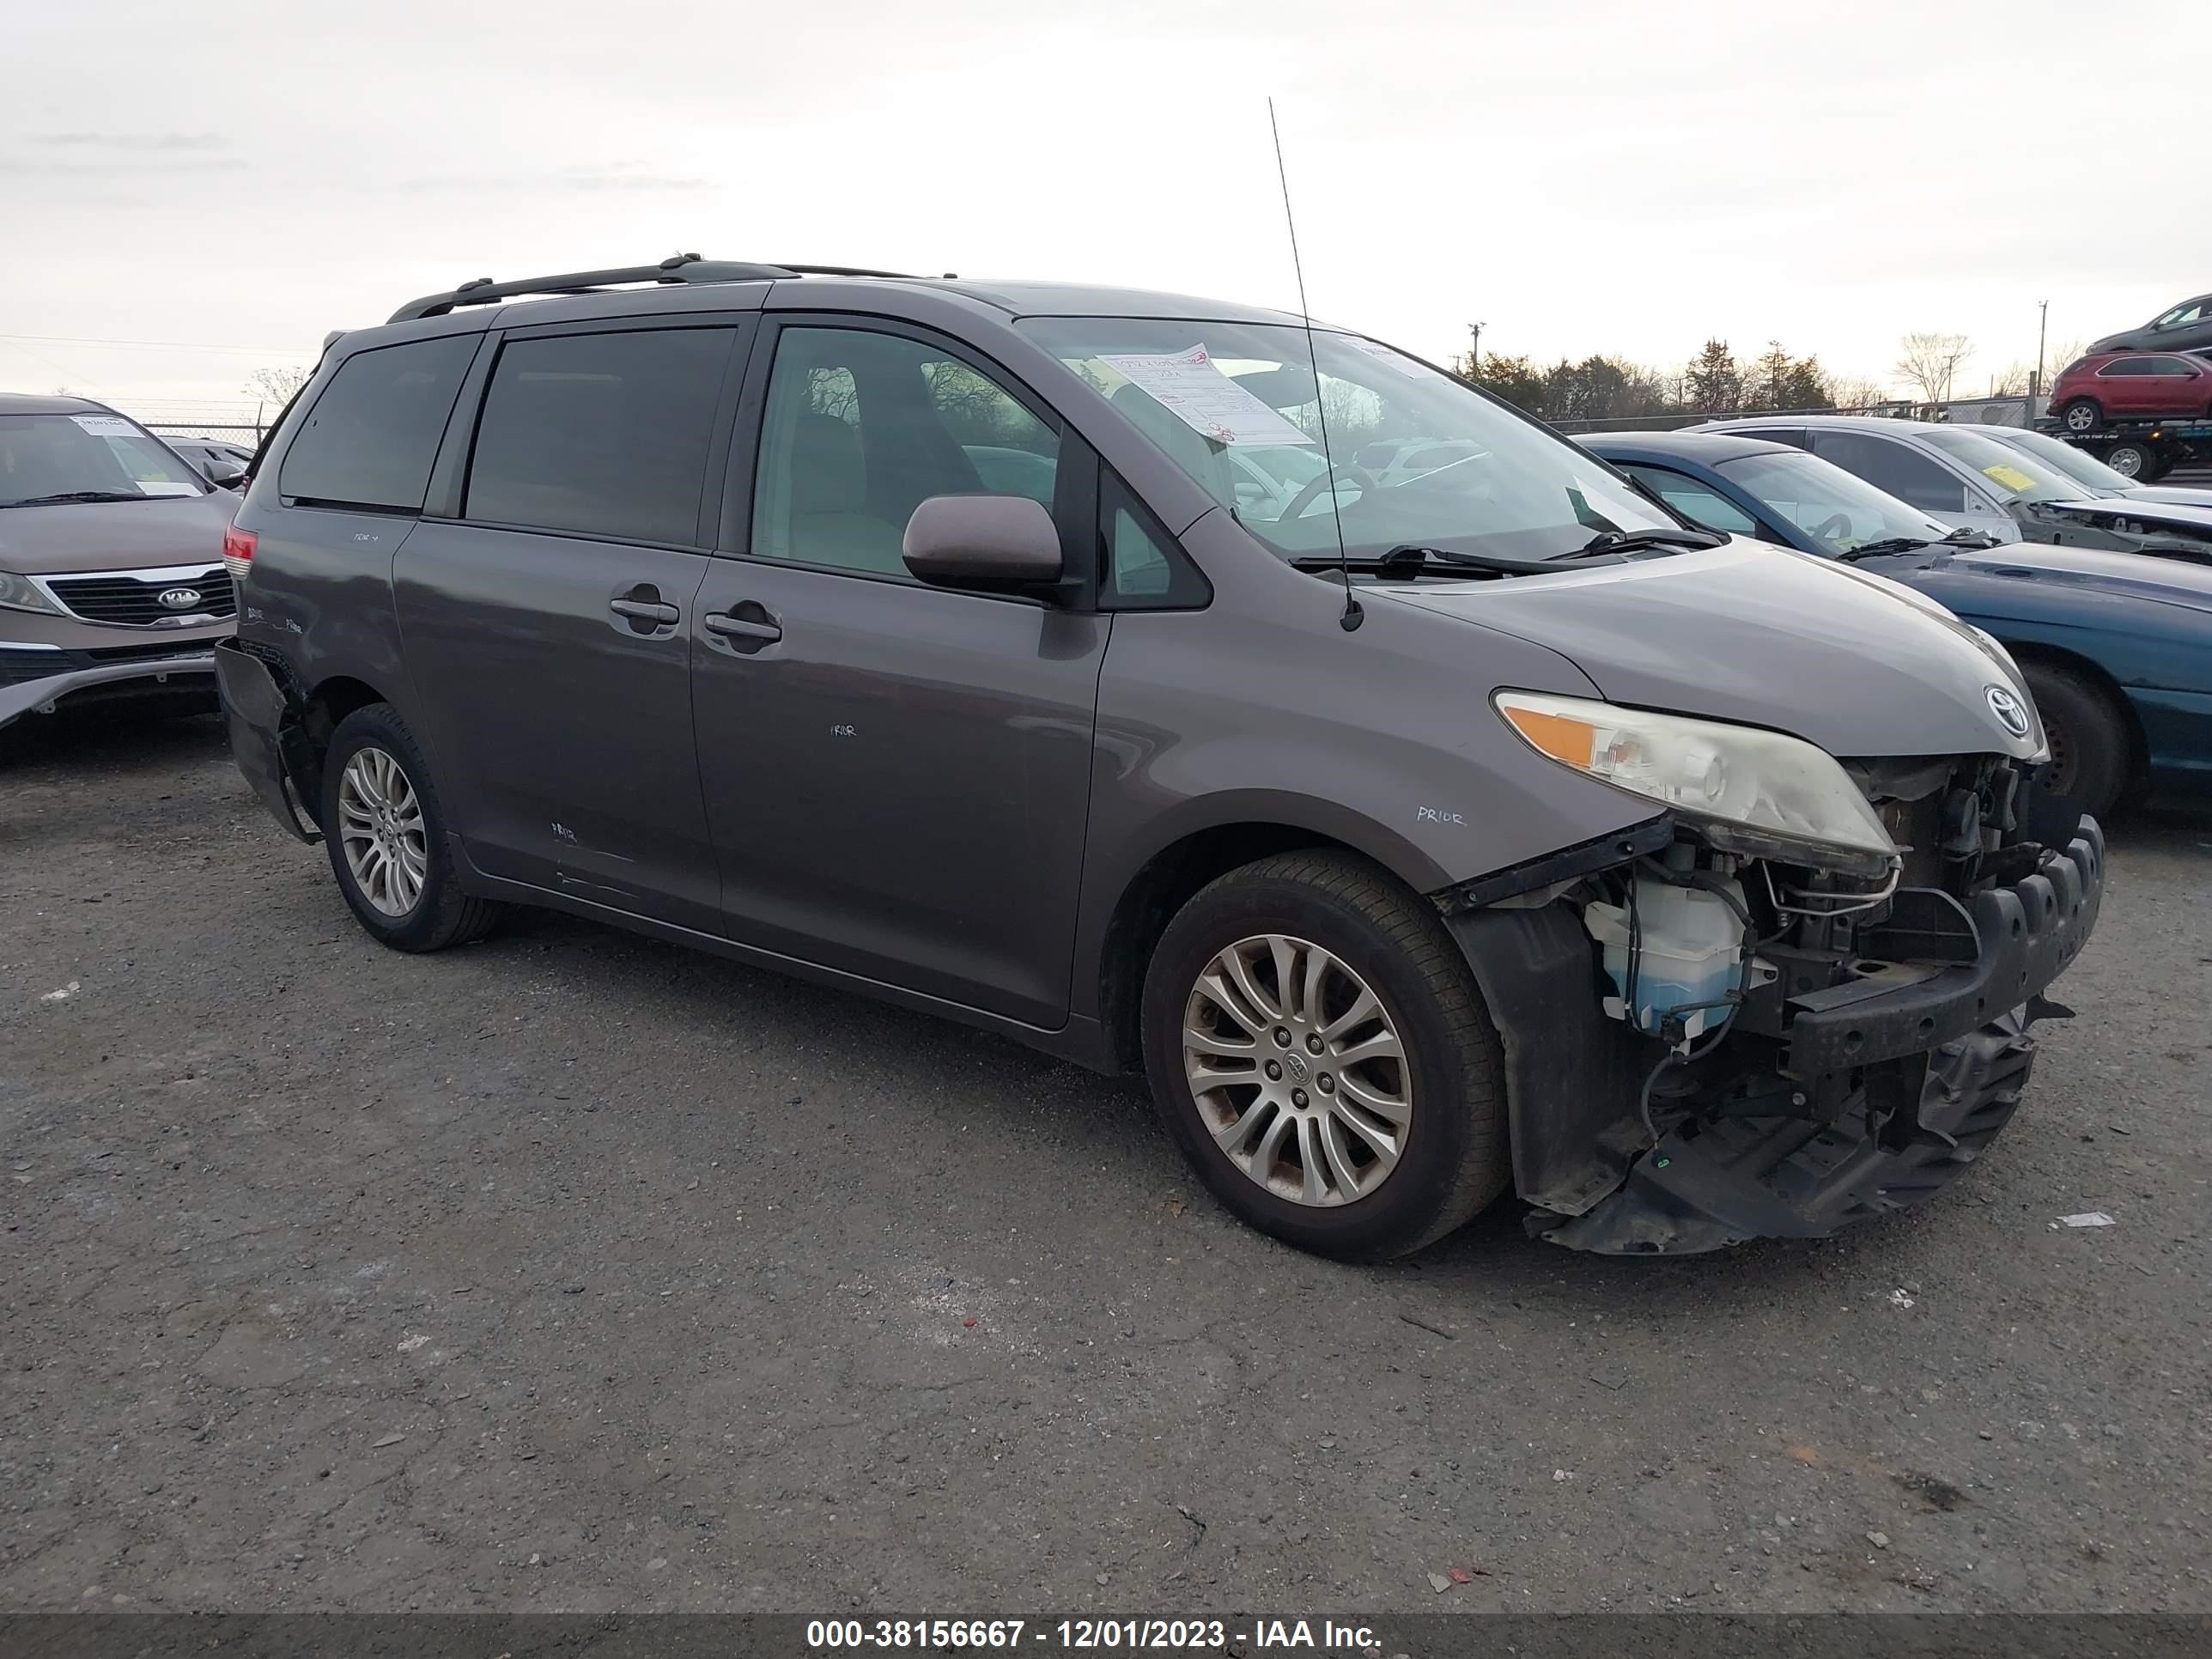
1416, 837
112, 581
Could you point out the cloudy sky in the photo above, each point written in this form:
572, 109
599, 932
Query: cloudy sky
1577, 175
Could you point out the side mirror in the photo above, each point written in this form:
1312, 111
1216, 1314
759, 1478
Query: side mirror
227, 477
986, 540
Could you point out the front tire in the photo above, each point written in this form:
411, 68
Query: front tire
2089, 738
386, 836
2082, 415
1317, 1047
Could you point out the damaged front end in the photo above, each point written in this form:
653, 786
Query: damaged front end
1706, 1042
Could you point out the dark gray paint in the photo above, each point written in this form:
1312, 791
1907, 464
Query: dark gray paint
982, 538
1900, 682
942, 797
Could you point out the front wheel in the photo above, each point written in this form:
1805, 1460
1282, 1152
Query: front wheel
2082, 415
1317, 1046
2088, 739
381, 821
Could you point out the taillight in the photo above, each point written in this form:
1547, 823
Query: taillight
238, 552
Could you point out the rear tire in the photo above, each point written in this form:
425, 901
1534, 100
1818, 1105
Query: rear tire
386, 835
2081, 415
1383, 1182
2132, 461
2088, 737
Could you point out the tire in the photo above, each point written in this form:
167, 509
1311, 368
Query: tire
414, 916
1449, 1156
2088, 736
2132, 461
2081, 415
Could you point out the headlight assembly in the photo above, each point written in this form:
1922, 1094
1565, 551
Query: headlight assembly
1756, 792
18, 594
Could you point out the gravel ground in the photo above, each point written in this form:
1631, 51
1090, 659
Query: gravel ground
573, 1271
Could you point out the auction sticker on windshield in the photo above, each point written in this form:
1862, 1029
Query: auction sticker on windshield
2010, 476
105, 426
1190, 387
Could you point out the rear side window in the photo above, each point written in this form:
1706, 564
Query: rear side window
369, 439
600, 435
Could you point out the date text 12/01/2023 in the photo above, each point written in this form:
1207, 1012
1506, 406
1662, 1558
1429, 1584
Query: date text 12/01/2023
1080, 1635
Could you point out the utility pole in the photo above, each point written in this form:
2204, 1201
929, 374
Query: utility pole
1473, 349
2042, 328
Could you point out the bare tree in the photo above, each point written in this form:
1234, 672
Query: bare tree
1857, 391
2011, 381
1928, 363
277, 385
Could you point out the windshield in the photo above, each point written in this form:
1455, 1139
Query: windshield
2078, 464
96, 454
2016, 475
1839, 510
1419, 457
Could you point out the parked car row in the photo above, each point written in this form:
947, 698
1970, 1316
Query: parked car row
111, 578
1983, 478
1423, 807
2115, 647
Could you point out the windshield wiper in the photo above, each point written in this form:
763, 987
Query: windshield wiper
1966, 535
1617, 541
1886, 544
81, 495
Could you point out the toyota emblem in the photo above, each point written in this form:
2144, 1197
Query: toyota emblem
2011, 712
179, 598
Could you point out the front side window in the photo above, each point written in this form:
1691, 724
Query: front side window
862, 427
2015, 475
1700, 503
1891, 467
2124, 368
1835, 508
2183, 314
369, 439
86, 457
600, 435
1219, 399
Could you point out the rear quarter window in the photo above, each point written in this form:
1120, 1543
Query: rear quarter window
369, 439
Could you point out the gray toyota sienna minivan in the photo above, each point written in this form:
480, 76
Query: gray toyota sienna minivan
1042, 656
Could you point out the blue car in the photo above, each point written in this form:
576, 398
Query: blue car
2117, 646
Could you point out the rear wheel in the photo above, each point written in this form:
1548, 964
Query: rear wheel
2082, 415
2088, 738
1319, 1050
2132, 461
386, 838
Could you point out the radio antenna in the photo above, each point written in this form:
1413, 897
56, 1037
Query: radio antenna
1353, 615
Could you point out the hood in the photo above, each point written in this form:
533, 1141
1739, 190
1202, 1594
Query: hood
2172, 495
1849, 660
72, 536
2130, 515
2166, 582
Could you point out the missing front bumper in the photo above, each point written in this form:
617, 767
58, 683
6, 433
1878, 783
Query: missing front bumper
1706, 1187
1893, 1084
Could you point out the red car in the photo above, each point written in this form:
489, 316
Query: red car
2119, 385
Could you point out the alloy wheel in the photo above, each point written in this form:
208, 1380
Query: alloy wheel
381, 832
1298, 1069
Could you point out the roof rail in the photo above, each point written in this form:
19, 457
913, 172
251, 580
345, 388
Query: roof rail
681, 268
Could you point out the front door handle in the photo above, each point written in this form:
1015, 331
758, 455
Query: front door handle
645, 615
747, 626
647, 610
